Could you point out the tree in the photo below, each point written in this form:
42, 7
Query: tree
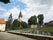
32, 20
7, 25
9, 22
40, 19
10, 19
16, 24
24, 24
5, 1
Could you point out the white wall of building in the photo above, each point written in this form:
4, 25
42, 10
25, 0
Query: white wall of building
33, 26
2, 27
20, 19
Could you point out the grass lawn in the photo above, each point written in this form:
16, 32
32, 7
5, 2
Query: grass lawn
26, 29
48, 29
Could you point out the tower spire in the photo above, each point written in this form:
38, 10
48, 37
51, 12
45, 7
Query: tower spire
20, 17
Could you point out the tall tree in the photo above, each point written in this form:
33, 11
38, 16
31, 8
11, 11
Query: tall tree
5, 1
9, 22
10, 19
40, 19
32, 20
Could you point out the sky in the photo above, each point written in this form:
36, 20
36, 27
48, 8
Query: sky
28, 9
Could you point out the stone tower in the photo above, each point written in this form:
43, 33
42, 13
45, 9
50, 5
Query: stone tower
20, 17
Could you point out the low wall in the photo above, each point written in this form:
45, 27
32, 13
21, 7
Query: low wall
34, 36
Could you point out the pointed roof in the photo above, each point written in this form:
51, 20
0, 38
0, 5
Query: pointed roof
20, 15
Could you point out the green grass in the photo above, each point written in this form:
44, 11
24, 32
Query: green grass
45, 28
48, 29
26, 29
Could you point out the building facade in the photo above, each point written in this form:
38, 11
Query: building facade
2, 24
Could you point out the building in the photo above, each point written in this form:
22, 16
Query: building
33, 26
20, 17
2, 24
49, 23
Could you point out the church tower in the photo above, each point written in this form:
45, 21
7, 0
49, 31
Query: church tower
20, 17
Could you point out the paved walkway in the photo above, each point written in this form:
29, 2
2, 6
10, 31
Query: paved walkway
8, 36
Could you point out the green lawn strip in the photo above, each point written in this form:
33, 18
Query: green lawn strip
47, 29
22, 29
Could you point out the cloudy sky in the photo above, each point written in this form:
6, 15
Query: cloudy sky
28, 9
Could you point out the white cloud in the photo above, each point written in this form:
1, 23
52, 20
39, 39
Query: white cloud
2, 8
15, 12
34, 7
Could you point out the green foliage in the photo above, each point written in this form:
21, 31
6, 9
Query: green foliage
32, 20
19, 25
10, 19
47, 29
7, 25
5, 1
40, 19
9, 22
24, 24
15, 24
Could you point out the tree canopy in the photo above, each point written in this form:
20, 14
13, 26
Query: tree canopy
10, 19
5, 1
17, 24
24, 24
9, 22
40, 19
32, 20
